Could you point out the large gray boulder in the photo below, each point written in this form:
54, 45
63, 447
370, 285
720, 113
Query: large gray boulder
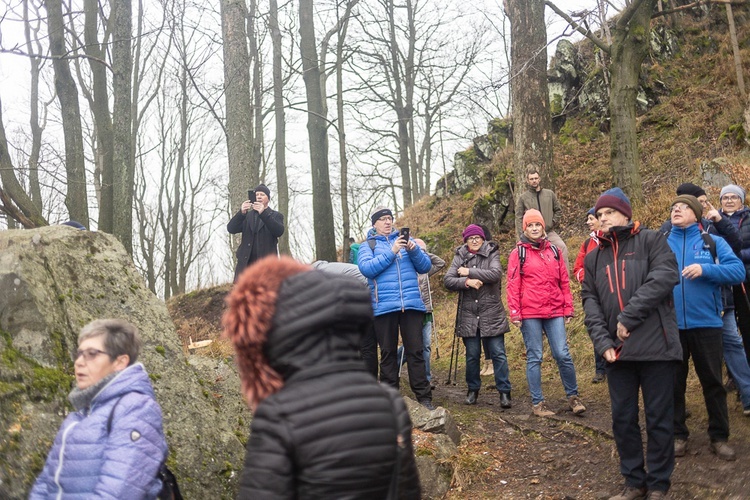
54, 280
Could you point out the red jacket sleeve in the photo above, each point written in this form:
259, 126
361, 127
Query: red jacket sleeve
513, 289
578, 271
565, 287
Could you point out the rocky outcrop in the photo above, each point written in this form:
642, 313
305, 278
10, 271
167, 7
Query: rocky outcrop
54, 280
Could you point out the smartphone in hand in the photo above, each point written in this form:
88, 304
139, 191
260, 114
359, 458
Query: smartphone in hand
251, 195
404, 233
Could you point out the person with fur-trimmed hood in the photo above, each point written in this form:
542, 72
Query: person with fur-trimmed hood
322, 426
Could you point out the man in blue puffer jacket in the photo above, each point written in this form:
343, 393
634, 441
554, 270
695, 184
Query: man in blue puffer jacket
392, 266
699, 309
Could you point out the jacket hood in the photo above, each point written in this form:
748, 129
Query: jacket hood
320, 319
283, 317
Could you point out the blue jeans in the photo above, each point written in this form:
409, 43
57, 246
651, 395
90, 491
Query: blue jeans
734, 356
426, 352
532, 330
601, 364
496, 348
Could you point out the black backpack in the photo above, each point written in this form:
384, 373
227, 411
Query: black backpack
169, 488
522, 256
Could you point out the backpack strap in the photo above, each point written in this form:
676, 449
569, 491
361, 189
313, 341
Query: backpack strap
521, 258
709, 243
111, 416
372, 243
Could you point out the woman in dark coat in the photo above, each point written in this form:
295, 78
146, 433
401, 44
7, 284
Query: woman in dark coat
476, 275
322, 426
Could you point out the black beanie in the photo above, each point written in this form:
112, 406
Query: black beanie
691, 189
264, 189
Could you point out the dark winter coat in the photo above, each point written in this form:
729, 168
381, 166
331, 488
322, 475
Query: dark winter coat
741, 220
87, 460
260, 235
331, 430
698, 301
481, 308
541, 288
629, 279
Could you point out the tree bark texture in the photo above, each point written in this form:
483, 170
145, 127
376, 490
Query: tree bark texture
13, 193
630, 45
104, 154
35, 190
282, 184
343, 160
529, 93
239, 115
123, 166
325, 244
67, 94
736, 52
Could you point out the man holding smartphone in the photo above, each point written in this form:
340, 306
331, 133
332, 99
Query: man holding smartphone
261, 228
391, 261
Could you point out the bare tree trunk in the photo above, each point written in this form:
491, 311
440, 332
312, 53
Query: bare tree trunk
282, 184
24, 211
629, 48
343, 160
400, 106
257, 91
529, 93
239, 119
736, 52
123, 176
104, 153
36, 128
325, 244
67, 93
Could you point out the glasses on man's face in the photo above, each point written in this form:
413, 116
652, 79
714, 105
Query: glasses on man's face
474, 239
605, 213
88, 354
730, 197
386, 218
680, 206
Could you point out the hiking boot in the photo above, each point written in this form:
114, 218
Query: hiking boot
598, 378
656, 495
630, 493
576, 405
504, 400
540, 410
722, 450
427, 403
471, 397
680, 447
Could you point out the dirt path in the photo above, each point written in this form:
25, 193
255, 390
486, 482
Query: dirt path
512, 454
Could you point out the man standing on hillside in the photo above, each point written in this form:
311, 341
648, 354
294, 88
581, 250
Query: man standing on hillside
632, 324
546, 202
261, 228
705, 265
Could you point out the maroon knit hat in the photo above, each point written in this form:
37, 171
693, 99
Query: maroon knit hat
615, 198
472, 230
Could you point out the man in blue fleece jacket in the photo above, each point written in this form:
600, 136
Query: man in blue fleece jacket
699, 309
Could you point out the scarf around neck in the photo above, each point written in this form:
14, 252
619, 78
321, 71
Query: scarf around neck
82, 398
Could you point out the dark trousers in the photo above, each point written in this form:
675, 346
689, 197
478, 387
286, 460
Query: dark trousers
706, 348
368, 350
742, 309
386, 331
655, 380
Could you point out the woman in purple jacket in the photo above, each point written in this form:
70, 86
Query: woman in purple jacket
113, 445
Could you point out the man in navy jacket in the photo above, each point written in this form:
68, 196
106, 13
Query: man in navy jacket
699, 309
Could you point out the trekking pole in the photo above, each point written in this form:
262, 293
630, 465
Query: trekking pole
454, 349
434, 330
401, 360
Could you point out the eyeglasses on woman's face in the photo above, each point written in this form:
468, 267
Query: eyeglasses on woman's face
88, 354
474, 239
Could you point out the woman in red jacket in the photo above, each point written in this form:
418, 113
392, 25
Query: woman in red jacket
588, 245
539, 300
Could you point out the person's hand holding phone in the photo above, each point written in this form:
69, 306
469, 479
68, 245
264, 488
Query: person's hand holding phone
246, 205
398, 244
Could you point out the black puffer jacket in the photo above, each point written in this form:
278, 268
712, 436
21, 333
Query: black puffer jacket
629, 278
331, 431
481, 308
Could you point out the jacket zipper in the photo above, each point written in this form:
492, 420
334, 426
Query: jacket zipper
615, 247
400, 285
682, 279
609, 279
60, 460
623, 274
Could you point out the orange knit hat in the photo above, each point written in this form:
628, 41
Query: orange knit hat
532, 215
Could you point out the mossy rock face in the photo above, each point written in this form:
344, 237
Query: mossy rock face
53, 281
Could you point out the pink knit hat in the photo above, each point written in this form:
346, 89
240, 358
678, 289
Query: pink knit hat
472, 230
